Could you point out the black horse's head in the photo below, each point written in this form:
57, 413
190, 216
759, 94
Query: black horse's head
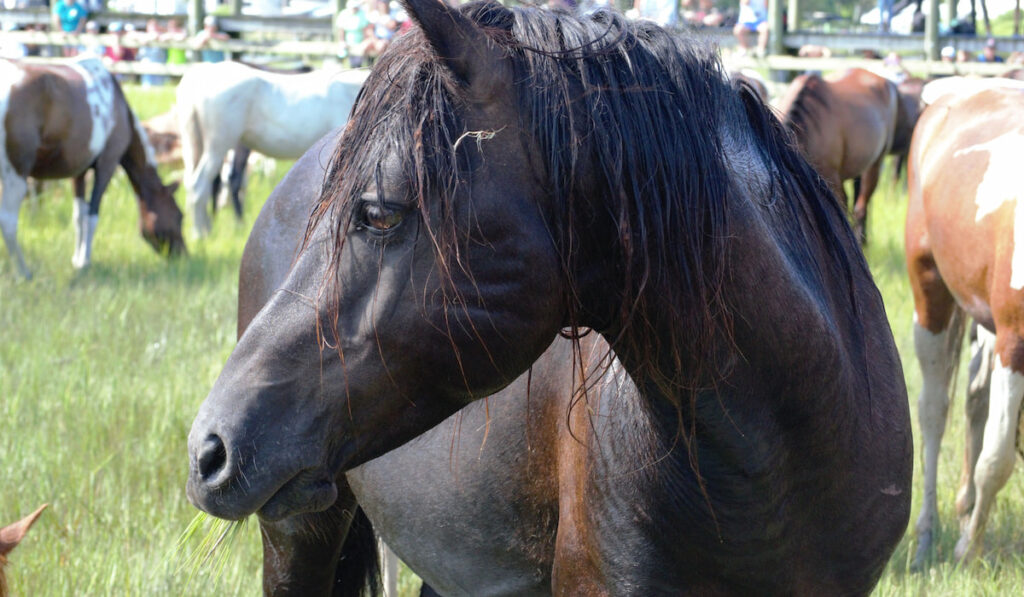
505, 173
428, 279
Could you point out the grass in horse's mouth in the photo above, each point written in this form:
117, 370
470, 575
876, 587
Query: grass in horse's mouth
216, 536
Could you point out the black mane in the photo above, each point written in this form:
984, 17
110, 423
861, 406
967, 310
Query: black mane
618, 105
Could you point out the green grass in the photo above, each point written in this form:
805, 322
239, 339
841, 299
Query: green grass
101, 373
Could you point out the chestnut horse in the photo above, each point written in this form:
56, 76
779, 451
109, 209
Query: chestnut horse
846, 124
965, 256
10, 536
59, 121
510, 174
226, 104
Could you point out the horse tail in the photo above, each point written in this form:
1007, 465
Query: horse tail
358, 570
191, 134
899, 167
955, 343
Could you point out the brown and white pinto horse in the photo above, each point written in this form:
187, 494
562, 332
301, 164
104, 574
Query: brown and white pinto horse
60, 121
965, 255
10, 536
845, 124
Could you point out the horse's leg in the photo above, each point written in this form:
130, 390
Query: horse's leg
14, 189
103, 171
935, 354
838, 189
995, 463
215, 187
201, 186
938, 330
237, 177
80, 220
869, 181
977, 411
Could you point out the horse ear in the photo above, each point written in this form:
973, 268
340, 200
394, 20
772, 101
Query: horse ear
469, 52
11, 535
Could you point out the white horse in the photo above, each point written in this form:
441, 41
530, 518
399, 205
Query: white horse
279, 115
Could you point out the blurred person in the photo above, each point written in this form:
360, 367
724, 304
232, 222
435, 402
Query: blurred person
352, 24
948, 54
753, 18
95, 49
384, 26
712, 17
702, 13
175, 32
211, 32
884, 15
814, 51
963, 56
69, 16
118, 52
662, 12
988, 54
152, 54
894, 69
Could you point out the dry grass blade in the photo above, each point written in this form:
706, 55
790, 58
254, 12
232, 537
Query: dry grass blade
216, 538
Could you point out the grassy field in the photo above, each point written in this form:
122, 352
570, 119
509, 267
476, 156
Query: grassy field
101, 373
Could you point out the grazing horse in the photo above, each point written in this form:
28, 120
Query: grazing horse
845, 124
10, 536
510, 175
60, 121
965, 256
226, 104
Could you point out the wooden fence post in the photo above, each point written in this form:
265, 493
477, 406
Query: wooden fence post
775, 30
196, 14
236, 7
336, 34
931, 31
793, 16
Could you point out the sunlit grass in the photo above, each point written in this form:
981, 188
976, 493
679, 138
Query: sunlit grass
101, 373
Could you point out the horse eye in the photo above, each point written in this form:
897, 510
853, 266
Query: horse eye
379, 217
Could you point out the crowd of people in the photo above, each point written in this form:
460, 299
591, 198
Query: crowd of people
130, 44
365, 28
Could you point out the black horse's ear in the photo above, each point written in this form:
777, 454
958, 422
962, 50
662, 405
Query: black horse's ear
469, 52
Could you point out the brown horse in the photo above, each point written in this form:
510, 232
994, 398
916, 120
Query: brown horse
10, 536
846, 124
60, 121
965, 255
513, 174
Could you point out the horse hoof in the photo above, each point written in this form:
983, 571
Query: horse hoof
921, 556
965, 550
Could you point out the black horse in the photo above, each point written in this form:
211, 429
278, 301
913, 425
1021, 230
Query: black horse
512, 174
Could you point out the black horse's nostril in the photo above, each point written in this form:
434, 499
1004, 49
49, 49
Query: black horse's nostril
212, 457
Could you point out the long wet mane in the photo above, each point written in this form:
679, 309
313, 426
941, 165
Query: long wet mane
617, 105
